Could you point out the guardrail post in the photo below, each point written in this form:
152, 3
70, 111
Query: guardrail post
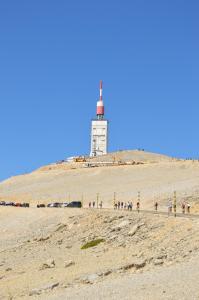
174, 203
97, 199
114, 199
138, 202
82, 200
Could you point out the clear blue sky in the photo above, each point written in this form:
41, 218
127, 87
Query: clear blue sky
52, 56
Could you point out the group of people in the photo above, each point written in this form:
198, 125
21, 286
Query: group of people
186, 207
129, 206
126, 205
92, 204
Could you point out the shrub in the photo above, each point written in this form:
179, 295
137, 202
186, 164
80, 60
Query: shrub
92, 243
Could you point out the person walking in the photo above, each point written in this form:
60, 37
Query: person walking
183, 207
138, 206
93, 204
174, 208
100, 205
128, 205
156, 206
89, 204
169, 207
188, 208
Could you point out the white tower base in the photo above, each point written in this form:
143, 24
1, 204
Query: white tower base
99, 137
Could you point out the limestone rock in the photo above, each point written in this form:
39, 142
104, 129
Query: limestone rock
69, 263
133, 230
60, 227
138, 264
42, 239
106, 273
161, 256
38, 291
113, 237
158, 262
121, 225
50, 263
91, 278
110, 220
2, 263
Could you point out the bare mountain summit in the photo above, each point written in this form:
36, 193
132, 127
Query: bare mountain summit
155, 176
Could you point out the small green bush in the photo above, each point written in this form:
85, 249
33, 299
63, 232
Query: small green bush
92, 243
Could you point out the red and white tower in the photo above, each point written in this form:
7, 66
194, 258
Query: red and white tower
99, 130
100, 104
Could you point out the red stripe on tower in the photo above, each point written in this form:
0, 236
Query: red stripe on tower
100, 104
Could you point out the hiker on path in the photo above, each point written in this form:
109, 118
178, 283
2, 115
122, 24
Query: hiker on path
174, 208
183, 207
128, 205
169, 207
138, 206
188, 208
156, 206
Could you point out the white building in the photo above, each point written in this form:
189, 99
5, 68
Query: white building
99, 137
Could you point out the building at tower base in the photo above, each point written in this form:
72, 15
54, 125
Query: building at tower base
99, 130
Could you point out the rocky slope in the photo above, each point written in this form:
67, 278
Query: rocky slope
41, 255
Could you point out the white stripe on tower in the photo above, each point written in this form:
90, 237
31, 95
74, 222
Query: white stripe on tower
100, 90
